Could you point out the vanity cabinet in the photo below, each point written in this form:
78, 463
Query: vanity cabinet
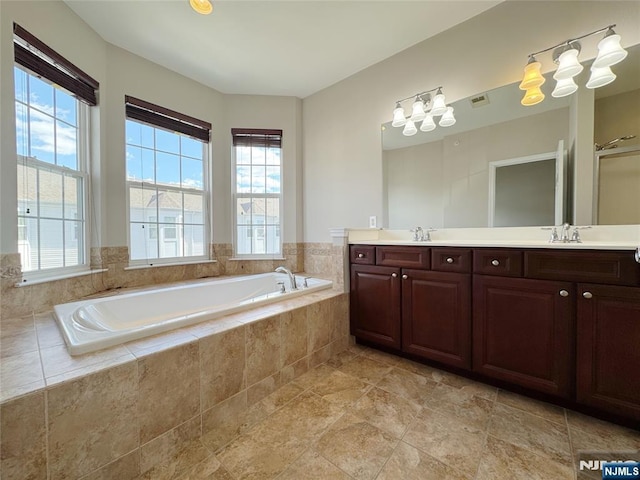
375, 304
608, 348
523, 332
402, 304
564, 322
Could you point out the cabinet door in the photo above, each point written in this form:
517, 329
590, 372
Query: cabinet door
522, 332
608, 368
436, 316
375, 304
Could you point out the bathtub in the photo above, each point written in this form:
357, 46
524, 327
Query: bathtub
98, 323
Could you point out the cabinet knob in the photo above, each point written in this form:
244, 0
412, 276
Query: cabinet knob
449, 260
495, 263
564, 293
404, 277
394, 275
361, 255
587, 295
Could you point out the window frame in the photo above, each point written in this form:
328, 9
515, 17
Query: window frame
279, 227
159, 225
83, 121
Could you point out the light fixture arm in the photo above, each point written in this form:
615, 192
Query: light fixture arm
608, 29
418, 94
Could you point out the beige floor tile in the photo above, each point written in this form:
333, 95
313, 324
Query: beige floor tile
313, 466
406, 384
356, 447
126, 467
340, 388
366, 369
179, 463
409, 463
466, 407
551, 412
469, 386
341, 358
387, 411
588, 433
317, 374
447, 439
531, 432
505, 460
208, 469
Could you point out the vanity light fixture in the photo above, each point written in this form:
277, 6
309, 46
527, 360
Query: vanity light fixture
423, 109
204, 7
565, 54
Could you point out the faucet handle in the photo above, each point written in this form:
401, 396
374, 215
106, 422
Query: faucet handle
554, 234
282, 289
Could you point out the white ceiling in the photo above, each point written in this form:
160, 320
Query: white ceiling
268, 47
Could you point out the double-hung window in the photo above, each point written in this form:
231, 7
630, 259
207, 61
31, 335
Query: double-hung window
52, 99
167, 170
257, 192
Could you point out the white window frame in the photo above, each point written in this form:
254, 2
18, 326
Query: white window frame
84, 127
159, 225
234, 215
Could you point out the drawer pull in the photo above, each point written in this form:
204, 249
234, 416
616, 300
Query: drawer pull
587, 295
404, 277
361, 255
495, 263
449, 260
394, 275
564, 293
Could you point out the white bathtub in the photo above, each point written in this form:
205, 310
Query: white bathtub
91, 325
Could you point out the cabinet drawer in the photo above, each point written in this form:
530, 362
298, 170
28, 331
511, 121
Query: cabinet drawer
451, 260
407, 257
593, 266
363, 254
502, 262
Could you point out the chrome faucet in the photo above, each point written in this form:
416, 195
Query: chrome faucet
565, 233
418, 234
292, 277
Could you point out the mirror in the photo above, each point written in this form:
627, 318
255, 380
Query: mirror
443, 178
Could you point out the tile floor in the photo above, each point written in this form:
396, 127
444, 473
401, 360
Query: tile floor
368, 415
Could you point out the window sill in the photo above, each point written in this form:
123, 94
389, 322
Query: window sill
35, 281
159, 265
255, 258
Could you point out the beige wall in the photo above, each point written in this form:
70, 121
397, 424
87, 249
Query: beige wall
121, 73
446, 183
341, 138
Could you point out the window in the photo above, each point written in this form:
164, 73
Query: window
166, 157
257, 191
52, 99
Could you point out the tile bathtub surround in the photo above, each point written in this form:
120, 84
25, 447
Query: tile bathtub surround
37, 298
132, 410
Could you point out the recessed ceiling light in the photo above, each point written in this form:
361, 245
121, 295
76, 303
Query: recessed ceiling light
203, 7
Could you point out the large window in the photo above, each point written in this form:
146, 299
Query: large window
257, 191
167, 186
51, 138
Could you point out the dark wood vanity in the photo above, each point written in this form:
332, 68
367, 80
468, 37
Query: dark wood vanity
561, 323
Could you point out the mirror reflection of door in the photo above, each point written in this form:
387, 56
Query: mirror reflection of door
618, 195
528, 190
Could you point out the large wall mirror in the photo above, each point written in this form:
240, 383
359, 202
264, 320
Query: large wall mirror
503, 164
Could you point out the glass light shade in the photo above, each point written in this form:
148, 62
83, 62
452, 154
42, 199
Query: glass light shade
532, 76
532, 97
447, 118
409, 128
564, 88
439, 105
569, 66
600, 77
203, 7
398, 117
428, 124
418, 114
609, 52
